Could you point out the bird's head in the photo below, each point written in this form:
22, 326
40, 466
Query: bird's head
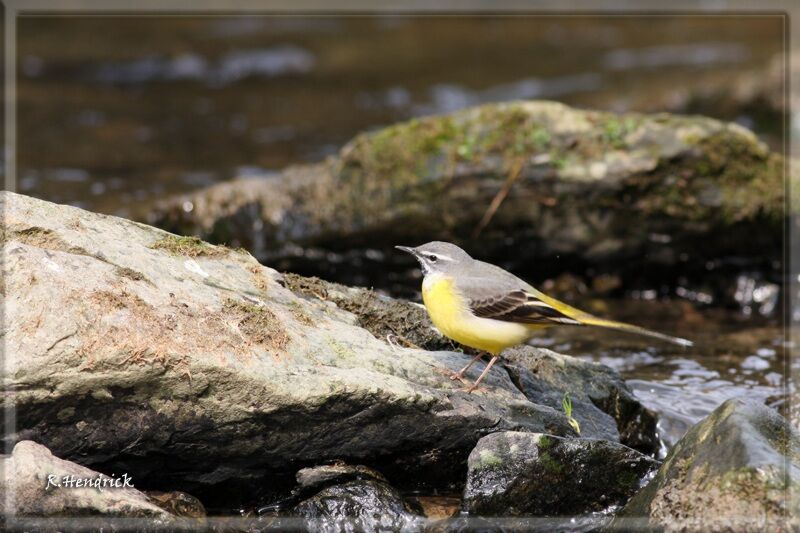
437, 257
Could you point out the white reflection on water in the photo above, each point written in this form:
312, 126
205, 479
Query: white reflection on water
683, 401
445, 97
266, 62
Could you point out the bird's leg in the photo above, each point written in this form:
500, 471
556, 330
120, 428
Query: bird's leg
485, 371
460, 374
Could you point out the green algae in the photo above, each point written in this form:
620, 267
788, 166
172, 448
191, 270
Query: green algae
550, 463
340, 350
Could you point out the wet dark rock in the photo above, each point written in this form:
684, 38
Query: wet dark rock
512, 473
178, 503
586, 188
319, 476
315, 479
602, 403
30, 476
731, 472
359, 505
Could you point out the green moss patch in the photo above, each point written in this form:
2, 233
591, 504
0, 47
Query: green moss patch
340, 350
616, 129
550, 464
730, 178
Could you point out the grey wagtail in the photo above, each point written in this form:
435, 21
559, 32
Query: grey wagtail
482, 306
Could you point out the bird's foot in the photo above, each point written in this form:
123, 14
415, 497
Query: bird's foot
474, 387
457, 376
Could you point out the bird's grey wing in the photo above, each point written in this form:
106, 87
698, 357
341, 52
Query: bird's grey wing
509, 299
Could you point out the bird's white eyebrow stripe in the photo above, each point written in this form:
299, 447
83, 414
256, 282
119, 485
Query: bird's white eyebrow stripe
438, 256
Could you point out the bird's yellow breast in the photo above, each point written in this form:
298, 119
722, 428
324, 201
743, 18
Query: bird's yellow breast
451, 314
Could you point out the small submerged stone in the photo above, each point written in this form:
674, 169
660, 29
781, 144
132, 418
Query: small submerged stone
178, 503
516, 474
438, 507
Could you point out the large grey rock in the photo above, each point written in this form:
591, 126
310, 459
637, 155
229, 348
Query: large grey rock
512, 474
735, 471
35, 483
186, 364
583, 188
603, 404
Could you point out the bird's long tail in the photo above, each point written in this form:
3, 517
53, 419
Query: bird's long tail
590, 320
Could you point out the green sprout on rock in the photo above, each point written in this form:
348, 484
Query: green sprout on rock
566, 403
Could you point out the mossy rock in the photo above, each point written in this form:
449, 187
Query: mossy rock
583, 188
528, 474
733, 471
602, 403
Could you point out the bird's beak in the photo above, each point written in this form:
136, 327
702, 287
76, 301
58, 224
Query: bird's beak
413, 251
407, 250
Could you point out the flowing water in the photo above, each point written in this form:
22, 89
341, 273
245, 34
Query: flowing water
733, 356
115, 113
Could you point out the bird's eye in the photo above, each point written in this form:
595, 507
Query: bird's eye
432, 258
